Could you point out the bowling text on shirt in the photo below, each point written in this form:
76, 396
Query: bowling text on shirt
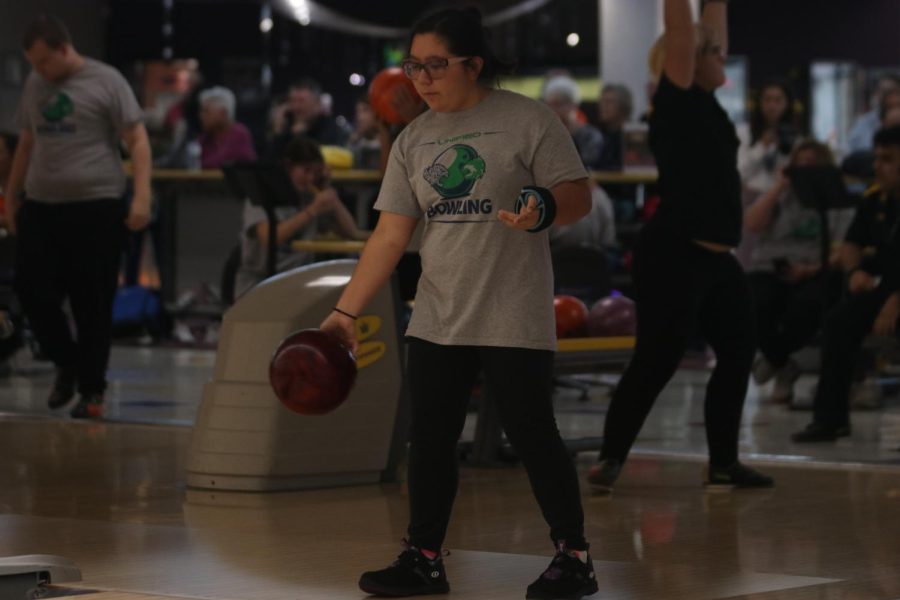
471, 206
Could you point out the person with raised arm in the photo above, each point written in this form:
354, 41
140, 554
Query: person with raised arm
686, 276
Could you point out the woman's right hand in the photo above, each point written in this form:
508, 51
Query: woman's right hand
343, 327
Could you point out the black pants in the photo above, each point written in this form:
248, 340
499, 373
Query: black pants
788, 315
71, 251
680, 288
846, 327
520, 382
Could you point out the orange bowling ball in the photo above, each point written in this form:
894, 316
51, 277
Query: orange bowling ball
312, 372
571, 316
382, 90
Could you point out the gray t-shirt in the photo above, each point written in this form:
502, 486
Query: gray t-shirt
794, 235
253, 249
77, 124
482, 283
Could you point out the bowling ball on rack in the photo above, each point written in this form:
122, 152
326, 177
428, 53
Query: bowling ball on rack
382, 90
312, 372
571, 316
613, 316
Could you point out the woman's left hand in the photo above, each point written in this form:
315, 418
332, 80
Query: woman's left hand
524, 220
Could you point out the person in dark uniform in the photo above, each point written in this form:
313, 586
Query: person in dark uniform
685, 274
871, 257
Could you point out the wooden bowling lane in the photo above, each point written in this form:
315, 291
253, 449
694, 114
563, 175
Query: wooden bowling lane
82, 594
110, 497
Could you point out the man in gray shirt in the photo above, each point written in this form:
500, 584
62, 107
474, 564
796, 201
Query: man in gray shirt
71, 225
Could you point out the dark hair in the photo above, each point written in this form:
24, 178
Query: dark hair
892, 77
308, 83
824, 155
787, 120
302, 150
11, 140
462, 31
51, 30
882, 104
626, 102
888, 136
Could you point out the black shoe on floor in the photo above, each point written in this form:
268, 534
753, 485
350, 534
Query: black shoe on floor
412, 574
63, 388
603, 475
816, 432
737, 476
569, 577
90, 406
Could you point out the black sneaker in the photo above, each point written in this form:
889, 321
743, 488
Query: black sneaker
737, 476
568, 577
412, 574
603, 475
90, 406
63, 388
816, 432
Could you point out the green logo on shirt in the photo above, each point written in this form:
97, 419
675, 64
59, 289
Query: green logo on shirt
454, 172
810, 229
58, 108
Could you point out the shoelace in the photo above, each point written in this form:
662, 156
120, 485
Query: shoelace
411, 553
554, 571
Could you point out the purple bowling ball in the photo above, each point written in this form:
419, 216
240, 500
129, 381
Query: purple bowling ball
613, 316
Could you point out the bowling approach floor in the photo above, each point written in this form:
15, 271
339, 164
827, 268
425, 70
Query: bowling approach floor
111, 496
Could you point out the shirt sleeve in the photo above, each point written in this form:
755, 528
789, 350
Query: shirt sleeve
750, 156
126, 111
673, 102
860, 137
858, 232
891, 281
253, 215
396, 194
23, 115
555, 158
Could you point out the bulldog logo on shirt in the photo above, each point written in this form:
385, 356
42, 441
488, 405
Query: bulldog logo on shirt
454, 172
58, 108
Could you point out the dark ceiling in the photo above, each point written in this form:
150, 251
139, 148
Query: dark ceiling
402, 13
224, 35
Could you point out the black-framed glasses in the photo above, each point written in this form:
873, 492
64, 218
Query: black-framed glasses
435, 67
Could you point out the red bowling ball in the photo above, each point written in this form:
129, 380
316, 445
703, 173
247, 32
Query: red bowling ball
571, 316
312, 372
382, 90
613, 316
